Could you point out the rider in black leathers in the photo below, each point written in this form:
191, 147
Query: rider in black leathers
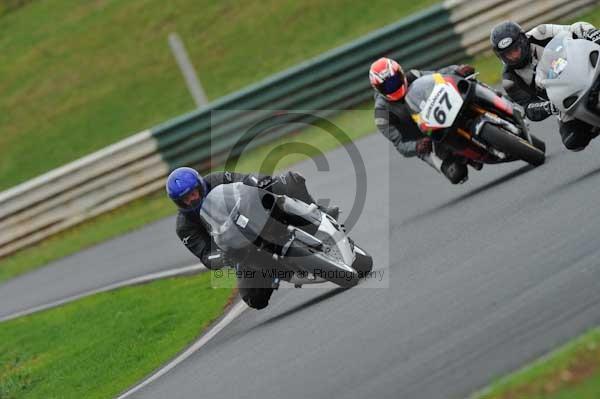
254, 288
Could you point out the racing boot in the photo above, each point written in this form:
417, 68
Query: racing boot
455, 171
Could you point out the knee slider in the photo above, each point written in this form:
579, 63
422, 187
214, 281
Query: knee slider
256, 303
576, 141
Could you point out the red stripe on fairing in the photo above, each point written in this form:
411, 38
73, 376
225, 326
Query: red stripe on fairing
452, 81
503, 105
471, 153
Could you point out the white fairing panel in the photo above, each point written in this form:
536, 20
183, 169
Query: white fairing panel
565, 71
337, 240
442, 107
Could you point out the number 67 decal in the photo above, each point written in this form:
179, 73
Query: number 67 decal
442, 106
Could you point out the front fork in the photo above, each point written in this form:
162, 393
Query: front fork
489, 117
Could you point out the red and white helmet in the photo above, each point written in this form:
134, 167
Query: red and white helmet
387, 77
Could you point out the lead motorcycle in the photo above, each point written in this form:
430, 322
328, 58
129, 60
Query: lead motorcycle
570, 73
291, 240
472, 122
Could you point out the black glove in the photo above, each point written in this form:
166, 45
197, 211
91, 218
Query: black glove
465, 70
593, 35
216, 260
423, 147
273, 184
539, 111
264, 182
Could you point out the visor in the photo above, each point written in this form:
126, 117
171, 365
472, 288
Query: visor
394, 87
518, 50
193, 205
391, 84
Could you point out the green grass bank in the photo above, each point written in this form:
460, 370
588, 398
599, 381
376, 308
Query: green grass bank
101, 345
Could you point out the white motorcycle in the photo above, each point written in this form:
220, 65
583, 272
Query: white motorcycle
570, 72
295, 241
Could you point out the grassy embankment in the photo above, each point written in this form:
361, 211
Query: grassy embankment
99, 346
571, 372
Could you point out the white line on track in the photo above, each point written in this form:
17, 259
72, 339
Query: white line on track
235, 311
133, 281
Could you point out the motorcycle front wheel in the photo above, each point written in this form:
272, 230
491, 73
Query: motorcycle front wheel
320, 265
363, 263
512, 145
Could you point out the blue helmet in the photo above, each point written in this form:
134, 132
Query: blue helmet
183, 181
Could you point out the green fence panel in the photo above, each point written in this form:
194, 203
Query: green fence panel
337, 79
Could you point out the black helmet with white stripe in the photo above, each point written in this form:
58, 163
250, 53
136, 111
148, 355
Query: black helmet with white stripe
511, 44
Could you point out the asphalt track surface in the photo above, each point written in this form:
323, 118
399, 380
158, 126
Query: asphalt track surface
479, 280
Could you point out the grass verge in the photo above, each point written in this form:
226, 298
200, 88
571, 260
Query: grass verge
571, 372
101, 345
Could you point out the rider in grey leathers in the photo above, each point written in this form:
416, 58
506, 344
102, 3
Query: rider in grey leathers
393, 117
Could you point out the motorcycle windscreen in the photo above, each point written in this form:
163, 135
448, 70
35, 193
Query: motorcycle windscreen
235, 215
434, 102
418, 93
554, 59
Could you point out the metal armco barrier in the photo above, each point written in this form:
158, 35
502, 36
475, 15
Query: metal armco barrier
444, 34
